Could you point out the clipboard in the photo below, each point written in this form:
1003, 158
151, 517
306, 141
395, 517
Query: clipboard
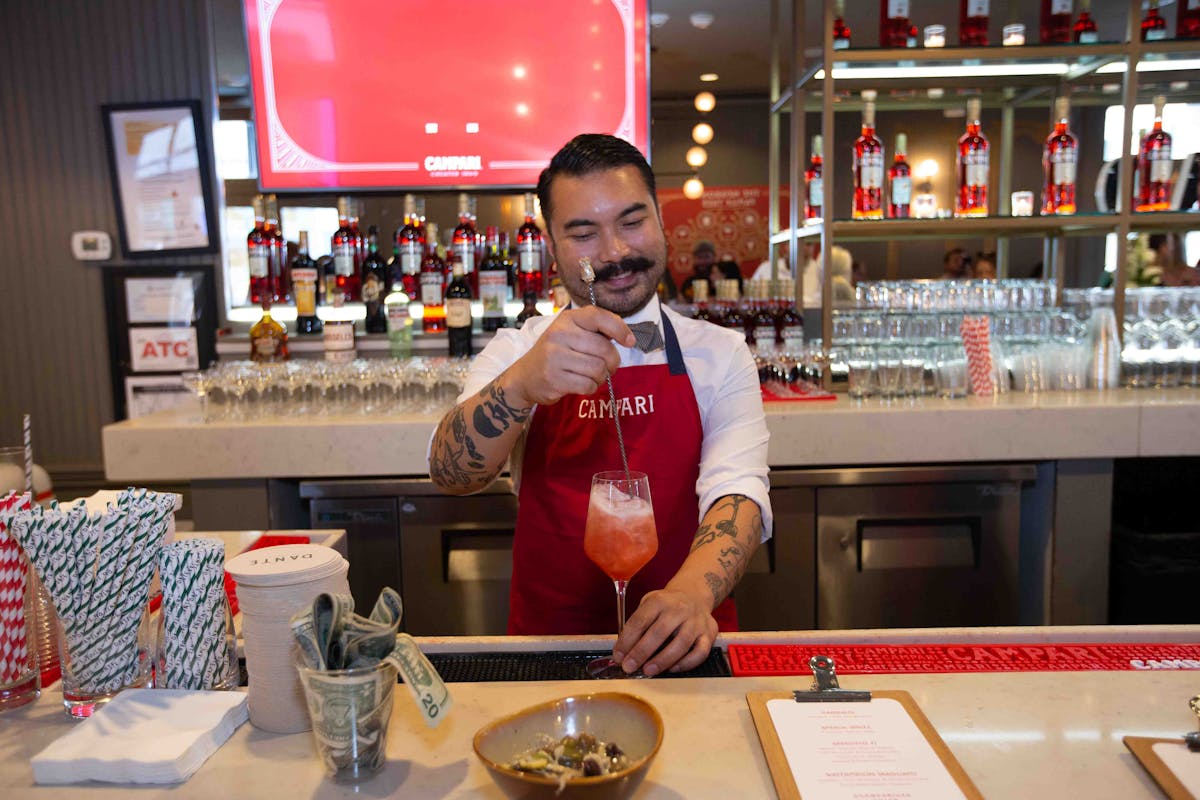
1142, 748
826, 690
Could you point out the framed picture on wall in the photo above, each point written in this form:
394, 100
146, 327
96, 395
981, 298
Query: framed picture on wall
159, 164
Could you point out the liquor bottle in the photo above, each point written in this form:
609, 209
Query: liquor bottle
433, 284
841, 31
280, 283
971, 199
530, 309
268, 338
973, 23
899, 181
1055, 25
410, 241
463, 243
345, 257
1059, 159
493, 282
1187, 20
399, 324
1155, 165
764, 318
258, 250
458, 313
360, 241
374, 284
789, 324
911, 40
893, 23
733, 317
868, 166
1154, 27
1085, 31
327, 293
529, 251
700, 301
304, 289
814, 184
509, 265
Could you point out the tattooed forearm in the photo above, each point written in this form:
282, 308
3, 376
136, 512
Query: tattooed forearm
726, 540
454, 460
494, 415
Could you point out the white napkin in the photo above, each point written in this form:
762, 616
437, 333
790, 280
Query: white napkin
143, 736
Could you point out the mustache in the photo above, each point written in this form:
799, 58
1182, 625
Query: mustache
628, 264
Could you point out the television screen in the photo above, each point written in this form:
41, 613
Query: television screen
389, 94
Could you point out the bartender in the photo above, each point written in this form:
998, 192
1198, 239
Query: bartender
690, 409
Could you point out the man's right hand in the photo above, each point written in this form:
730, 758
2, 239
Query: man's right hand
573, 356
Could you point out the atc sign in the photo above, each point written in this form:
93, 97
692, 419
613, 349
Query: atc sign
163, 349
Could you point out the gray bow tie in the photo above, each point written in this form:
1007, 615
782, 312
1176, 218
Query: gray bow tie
649, 337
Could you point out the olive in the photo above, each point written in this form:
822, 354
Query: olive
587, 742
591, 767
612, 751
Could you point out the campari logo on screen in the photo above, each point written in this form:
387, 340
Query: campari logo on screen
374, 94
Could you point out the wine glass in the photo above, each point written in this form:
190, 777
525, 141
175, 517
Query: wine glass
620, 538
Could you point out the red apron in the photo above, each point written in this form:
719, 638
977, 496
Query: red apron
556, 589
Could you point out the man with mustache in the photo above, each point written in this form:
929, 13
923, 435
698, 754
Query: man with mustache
691, 414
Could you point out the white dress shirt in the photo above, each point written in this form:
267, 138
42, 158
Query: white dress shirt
733, 455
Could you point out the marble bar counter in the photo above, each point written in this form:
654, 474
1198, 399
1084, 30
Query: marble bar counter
1016, 734
178, 445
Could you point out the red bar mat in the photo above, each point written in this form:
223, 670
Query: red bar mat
797, 395
748, 660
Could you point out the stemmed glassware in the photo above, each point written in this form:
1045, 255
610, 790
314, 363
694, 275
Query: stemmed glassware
620, 537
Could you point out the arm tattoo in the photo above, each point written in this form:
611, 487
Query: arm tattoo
455, 460
732, 555
494, 415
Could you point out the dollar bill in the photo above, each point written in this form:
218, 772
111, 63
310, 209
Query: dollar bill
422, 679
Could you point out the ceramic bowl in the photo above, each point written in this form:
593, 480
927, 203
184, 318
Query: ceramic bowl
631, 722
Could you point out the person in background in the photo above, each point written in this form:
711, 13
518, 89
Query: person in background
728, 269
955, 265
841, 266
691, 413
704, 258
1174, 271
985, 266
858, 273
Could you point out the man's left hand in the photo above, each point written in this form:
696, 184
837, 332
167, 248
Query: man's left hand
678, 619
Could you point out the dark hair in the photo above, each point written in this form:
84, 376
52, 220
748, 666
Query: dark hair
592, 152
1157, 240
949, 253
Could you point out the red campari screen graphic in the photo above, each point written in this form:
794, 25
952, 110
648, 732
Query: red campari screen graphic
380, 94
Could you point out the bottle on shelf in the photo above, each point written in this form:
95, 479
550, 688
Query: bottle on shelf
789, 324
258, 251
305, 281
268, 337
1187, 20
1154, 165
433, 283
374, 284
1055, 25
899, 181
841, 31
1154, 27
1059, 159
399, 324
971, 199
727, 291
493, 283
280, 283
868, 166
700, 301
360, 241
530, 309
529, 251
763, 326
814, 184
410, 242
913, 38
327, 293
345, 257
463, 243
973, 23
458, 313
1084, 31
893, 23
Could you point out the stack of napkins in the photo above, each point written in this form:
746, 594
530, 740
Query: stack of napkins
144, 736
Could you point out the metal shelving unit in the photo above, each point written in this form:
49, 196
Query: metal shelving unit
1010, 77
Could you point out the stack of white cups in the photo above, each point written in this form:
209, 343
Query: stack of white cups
273, 584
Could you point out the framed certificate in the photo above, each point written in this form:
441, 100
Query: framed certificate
160, 172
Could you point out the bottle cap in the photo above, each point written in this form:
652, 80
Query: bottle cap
869, 95
1159, 102
464, 203
1062, 108
700, 291
818, 144
901, 144
974, 108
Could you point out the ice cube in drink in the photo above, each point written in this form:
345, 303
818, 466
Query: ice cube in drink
619, 536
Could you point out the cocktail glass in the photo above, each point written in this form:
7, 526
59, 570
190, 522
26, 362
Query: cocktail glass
620, 538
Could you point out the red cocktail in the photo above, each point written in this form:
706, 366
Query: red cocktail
620, 537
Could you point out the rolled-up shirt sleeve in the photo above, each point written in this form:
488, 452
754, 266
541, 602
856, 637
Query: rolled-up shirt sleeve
733, 458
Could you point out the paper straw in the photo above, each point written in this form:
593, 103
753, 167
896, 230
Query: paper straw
28, 430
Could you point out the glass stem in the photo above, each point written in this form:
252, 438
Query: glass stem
620, 604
